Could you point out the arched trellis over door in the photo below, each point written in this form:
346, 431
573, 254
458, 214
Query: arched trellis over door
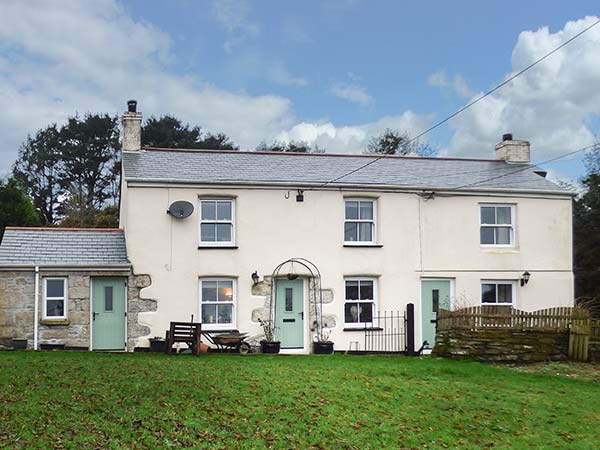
314, 286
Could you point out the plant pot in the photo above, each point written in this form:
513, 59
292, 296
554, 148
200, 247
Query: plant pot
204, 347
52, 346
270, 347
19, 344
158, 346
322, 348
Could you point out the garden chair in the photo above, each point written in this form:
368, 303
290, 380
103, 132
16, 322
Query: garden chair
186, 332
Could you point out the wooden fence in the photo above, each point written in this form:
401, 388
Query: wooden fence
595, 330
488, 316
575, 320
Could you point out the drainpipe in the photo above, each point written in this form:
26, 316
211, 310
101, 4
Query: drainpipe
36, 300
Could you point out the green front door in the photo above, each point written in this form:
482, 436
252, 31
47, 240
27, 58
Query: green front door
435, 295
108, 313
289, 313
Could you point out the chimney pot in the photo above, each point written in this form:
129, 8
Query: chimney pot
507, 137
132, 105
132, 128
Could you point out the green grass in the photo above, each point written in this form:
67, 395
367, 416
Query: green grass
86, 400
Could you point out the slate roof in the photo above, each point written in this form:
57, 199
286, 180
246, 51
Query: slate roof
63, 247
234, 167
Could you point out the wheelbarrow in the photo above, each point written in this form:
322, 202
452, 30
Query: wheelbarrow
230, 341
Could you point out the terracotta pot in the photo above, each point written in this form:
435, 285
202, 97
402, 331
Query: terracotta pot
204, 348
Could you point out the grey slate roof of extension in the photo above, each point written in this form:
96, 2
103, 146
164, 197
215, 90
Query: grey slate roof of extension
63, 247
233, 167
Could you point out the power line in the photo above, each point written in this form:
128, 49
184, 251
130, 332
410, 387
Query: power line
564, 155
477, 100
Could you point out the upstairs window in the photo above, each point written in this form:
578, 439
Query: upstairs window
216, 222
55, 298
497, 225
359, 223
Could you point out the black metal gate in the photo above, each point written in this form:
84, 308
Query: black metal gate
386, 333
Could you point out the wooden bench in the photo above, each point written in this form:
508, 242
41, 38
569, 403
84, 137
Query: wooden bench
186, 332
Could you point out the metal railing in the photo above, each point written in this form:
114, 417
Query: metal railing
386, 333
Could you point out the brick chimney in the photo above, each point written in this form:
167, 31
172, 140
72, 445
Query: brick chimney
132, 128
513, 151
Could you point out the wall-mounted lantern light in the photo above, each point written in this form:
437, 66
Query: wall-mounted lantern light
525, 278
255, 277
300, 195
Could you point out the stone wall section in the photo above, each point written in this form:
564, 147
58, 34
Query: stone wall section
75, 330
138, 304
502, 346
16, 307
594, 350
17, 290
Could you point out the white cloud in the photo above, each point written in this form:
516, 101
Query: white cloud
352, 139
91, 56
457, 84
279, 73
233, 16
68, 57
551, 105
353, 93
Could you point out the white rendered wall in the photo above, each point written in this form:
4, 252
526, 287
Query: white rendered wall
420, 239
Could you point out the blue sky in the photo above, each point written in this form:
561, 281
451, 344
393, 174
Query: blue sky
328, 72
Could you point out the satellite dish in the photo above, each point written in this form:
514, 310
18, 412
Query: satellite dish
181, 209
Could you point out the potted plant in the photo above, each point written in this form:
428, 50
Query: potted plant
157, 345
19, 344
322, 345
269, 344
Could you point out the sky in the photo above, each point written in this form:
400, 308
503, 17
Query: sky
331, 73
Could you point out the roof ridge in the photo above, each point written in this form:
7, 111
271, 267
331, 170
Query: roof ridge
111, 230
343, 155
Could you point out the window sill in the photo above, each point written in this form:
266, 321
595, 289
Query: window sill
55, 322
363, 245
224, 330
497, 247
363, 329
218, 247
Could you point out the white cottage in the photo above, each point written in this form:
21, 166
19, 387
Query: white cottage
230, 237
381, 234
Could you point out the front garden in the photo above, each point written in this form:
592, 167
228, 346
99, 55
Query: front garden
90, 400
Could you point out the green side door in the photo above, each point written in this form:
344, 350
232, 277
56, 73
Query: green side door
289, 313
435, 295
108, 313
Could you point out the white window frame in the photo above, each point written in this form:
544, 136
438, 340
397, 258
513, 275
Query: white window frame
372, 221
219, 326
64, 298
512, 226
231, 222
513, 284
373, 301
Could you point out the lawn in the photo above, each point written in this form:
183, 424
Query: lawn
87, 400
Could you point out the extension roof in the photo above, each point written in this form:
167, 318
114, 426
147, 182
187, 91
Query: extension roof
225, 167
63, 247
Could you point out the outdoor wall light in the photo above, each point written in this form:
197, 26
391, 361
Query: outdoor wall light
300, 195
525, 278
255, 277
